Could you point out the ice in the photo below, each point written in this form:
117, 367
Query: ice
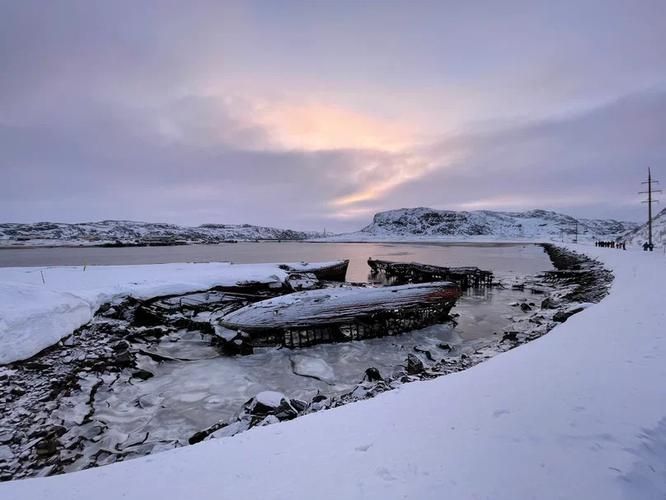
577, 413
38, 307
310, 366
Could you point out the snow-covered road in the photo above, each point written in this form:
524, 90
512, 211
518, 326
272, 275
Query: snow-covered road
578, 413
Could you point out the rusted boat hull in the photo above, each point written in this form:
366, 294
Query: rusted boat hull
414, 272
334, 271
342, 314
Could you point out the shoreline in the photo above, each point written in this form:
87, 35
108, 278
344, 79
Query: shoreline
571, 410
419, 366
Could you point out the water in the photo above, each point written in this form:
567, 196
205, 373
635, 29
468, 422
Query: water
525, 259
185, 397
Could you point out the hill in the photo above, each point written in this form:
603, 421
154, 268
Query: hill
128, 233
428, 223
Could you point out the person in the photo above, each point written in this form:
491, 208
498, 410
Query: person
651, 246
646, 246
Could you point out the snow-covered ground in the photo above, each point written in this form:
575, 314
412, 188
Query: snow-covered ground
39, 306
578, 413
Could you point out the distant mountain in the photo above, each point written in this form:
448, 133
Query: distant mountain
639, 235
114, 232
427, 223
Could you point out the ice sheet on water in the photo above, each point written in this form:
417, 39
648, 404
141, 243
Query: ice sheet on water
311, 366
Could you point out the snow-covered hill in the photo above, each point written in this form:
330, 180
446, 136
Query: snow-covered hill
639, 235
448, 224
141, 233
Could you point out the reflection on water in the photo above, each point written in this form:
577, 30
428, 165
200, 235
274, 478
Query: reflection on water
500, 258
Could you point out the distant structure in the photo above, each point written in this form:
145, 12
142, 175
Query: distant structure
649, 202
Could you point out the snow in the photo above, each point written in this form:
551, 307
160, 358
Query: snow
36, 313
427, 224
578, 413
130, 232
271, 399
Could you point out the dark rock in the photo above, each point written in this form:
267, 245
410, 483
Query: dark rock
318, 398
372, 374
414, 365
233, 343
510, 336
17, 391
525, 307
123, 345
124, 359
562, 316
47, 447
142, 374
445, 347
270, 403
299, 405
146, 317
548, 303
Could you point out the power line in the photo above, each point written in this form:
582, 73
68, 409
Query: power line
649, 202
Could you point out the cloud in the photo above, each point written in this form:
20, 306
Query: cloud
587, 163
304, 116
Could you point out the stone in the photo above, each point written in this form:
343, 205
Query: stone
124, 359
299, 405
562, 316
47, 447
525, 307
146, 317
549, 303
414, 365
142, 374
271, 403
372, 375
510, 336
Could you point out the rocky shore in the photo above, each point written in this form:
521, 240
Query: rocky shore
49, 402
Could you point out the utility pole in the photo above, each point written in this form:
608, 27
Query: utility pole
649, 202
576, 238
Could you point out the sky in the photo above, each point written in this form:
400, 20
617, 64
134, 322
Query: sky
318, 114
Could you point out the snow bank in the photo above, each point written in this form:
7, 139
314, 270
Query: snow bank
39, 306
578, 413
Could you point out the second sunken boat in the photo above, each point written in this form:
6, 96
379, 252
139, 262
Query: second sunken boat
343, 313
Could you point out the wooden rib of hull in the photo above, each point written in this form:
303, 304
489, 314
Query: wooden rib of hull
415, 272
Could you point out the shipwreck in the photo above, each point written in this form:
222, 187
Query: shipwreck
414, 272
339, 314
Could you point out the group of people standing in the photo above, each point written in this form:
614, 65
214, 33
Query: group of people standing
611, 244
648, 246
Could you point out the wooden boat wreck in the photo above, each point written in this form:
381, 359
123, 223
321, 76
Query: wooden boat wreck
340, 314
409, 272
325, 271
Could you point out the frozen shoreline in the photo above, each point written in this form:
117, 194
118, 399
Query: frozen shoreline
39, 306
578, 413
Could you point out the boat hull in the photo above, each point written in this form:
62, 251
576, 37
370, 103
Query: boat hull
342, 314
